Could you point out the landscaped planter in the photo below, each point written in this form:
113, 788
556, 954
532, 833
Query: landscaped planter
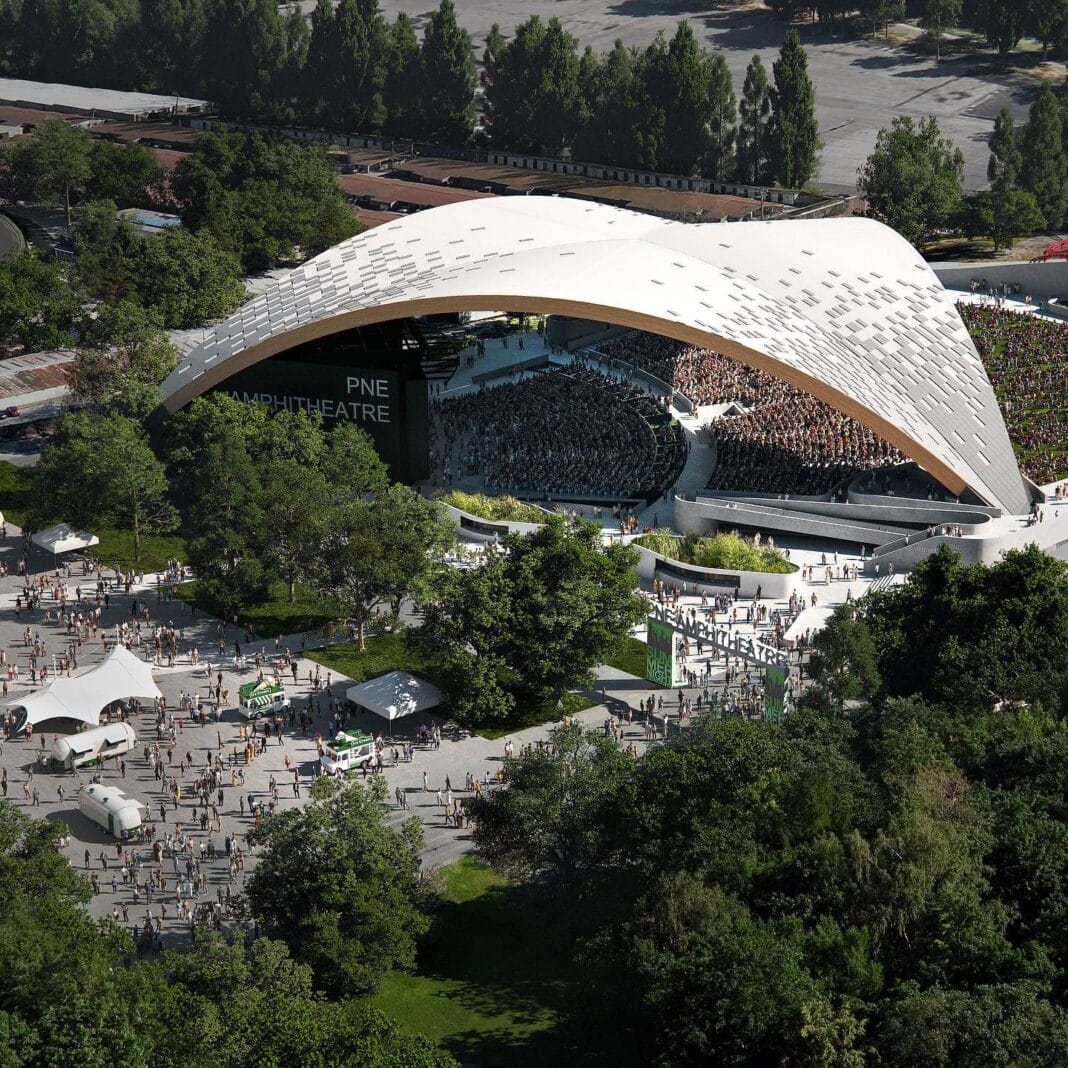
478, 529
655, 565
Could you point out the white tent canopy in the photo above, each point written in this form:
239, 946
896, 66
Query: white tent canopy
395, 694
63, 538
84, 697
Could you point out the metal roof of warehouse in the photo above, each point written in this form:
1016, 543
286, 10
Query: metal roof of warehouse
82, 100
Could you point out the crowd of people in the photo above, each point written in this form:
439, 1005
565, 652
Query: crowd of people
1027, 360
568, 432
780, 441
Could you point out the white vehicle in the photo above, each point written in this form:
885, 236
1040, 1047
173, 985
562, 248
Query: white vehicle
93, 746
349, 750
110, 808
262, 698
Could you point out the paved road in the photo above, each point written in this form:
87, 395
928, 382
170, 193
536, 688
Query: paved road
11, 239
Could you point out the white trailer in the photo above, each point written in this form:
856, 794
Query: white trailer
109, 807
100, 743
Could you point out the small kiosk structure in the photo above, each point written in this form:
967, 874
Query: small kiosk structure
393, 695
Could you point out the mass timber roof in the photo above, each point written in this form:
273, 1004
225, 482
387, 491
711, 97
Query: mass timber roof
844, 309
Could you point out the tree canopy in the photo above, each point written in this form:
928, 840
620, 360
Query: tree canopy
912, 180
531, 623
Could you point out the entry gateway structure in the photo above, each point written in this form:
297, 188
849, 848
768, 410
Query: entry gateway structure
844, 309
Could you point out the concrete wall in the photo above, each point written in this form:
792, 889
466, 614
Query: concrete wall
1038, 280
778, 587
475, 528
707, 514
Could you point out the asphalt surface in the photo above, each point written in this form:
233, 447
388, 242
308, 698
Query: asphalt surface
861, 83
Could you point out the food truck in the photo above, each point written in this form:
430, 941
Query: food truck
261, 698
350, 749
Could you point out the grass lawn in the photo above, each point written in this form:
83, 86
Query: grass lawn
384, 652
14, 492
493, 986
116, 549
631, 658
274, 616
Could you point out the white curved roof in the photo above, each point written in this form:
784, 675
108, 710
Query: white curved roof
845, 309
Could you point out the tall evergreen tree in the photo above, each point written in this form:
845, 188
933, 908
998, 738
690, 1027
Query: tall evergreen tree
722, 120
533, 102
448, 78
754, 115
320, 66
793, 149
608, 106
495, 43
686, 118
1044, 170
241, 54
1005, 158
363, 42
404, 90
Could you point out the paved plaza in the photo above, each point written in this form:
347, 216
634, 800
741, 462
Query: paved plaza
36, 789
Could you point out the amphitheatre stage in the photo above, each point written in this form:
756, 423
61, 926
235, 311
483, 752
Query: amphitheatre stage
841, 315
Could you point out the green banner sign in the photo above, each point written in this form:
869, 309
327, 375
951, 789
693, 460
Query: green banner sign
660, 659
775, 694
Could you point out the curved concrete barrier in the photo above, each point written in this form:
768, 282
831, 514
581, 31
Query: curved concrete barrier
477, 528
654, 565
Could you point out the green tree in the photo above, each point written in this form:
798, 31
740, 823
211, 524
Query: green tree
754, 113
340, 887
1044, 170
794, 141
448, 72
843, 659
1000, 213
375, 551
123, 355
226, 514
1006, 160
404, 89
722, 120
37, 307
126, 174
58, 165
532, 98
936, 17
522, 630
317, 81
974, 635
1003, 23
100, 469
1051, 23
608, 89
241, 53
687, 99
912, 180
882, 13
188, 279
554, 823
